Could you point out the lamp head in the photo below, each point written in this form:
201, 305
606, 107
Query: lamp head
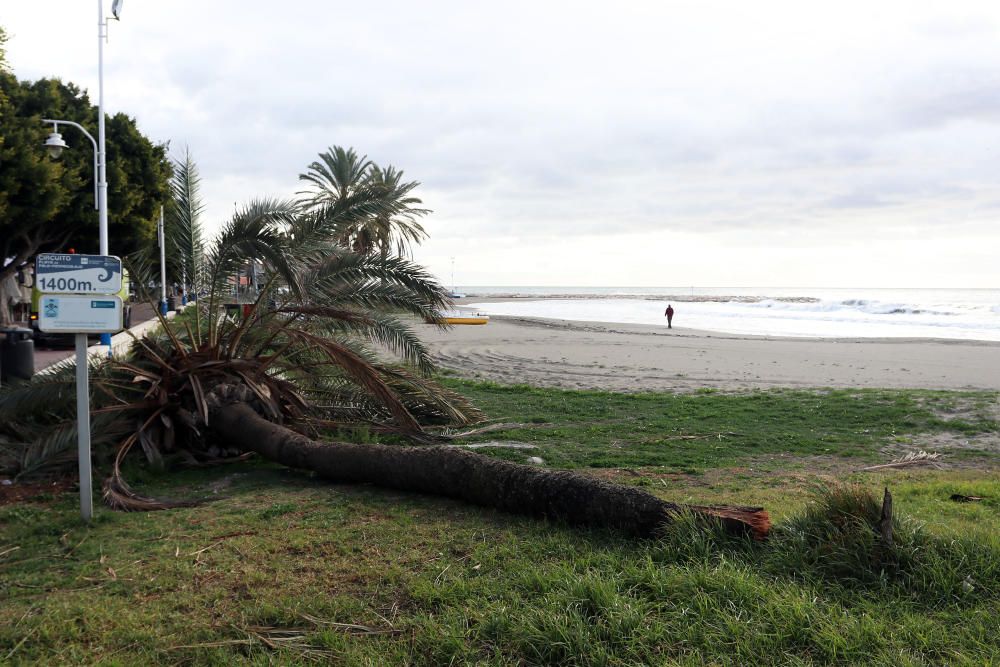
55, 145
116, 9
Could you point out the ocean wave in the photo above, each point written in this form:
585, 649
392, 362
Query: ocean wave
679, 298
867, 307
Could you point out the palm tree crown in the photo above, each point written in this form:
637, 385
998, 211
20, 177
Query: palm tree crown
373, 209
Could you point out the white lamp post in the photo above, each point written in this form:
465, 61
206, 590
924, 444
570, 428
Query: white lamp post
102, 177
55, 146
160, 231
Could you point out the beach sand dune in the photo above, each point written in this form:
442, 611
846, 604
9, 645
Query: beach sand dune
589, 355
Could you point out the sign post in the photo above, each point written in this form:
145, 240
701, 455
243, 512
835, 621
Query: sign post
83, 427
80, 296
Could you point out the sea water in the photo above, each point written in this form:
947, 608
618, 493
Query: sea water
961, 314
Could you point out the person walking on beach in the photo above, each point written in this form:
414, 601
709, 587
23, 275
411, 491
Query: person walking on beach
669, 312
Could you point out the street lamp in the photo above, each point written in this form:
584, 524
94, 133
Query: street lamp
55, 145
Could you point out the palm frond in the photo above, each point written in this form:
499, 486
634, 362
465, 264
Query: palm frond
183, 230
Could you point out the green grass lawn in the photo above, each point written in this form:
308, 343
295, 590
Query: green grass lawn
282, 568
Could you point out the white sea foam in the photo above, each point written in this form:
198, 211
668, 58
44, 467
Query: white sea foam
949, 314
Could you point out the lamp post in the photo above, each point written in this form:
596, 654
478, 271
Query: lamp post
56, 145
102, 177
161, 239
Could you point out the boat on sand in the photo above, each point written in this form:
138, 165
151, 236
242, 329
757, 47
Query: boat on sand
460, 317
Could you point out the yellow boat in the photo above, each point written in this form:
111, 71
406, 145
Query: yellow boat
462, 317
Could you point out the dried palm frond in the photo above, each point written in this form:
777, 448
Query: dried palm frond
909, 459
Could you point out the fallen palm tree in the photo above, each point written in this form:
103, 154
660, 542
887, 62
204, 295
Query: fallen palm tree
478, 479
296, 366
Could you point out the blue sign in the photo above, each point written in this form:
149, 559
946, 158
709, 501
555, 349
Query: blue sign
78, 274
79, 313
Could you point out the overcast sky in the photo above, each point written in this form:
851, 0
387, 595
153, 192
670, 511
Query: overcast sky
852, 144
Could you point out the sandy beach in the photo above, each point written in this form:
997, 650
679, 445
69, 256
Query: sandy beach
589, 355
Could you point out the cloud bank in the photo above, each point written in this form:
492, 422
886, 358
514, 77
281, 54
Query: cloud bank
576, 142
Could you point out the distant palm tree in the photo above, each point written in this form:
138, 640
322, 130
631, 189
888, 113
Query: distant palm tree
335, 176
374, 209
183, 230
393, 231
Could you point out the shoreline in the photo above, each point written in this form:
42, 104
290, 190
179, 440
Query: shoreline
762, 325
680, 298
640, 357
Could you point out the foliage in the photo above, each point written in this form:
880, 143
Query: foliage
340, 177
33, 189
300, 353
184, 232
49, 205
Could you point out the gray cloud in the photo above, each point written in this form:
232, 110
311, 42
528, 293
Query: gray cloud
570, 119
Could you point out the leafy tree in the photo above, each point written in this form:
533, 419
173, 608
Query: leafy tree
49, 205
3, 49
33, 189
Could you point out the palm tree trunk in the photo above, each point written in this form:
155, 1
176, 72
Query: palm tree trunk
478, 479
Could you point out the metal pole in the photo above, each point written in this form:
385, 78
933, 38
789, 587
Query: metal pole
102, 171
83, 427
163, 265
102, 177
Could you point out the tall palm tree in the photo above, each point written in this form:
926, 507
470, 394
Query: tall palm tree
337, 174
184, 232
397, 228
390, 223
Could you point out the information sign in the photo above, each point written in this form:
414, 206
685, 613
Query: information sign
75, 313
78, 274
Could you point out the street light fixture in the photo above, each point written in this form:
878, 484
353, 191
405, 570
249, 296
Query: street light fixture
55, 145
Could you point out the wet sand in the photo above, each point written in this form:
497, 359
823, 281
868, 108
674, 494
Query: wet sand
620, 357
